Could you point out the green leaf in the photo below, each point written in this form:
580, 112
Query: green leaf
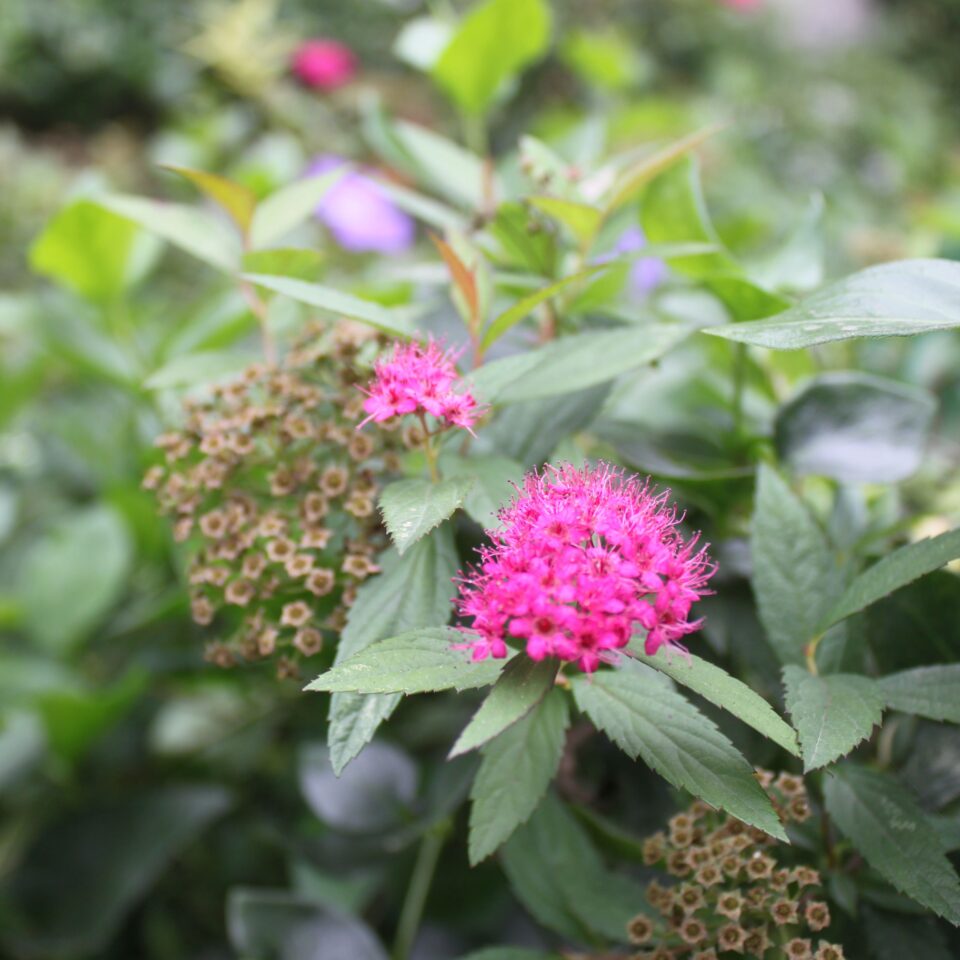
290, 206
890, 830
192, 369
496, 41
72, 576
196, 231
794, 571
602, 57
516, 770
521, 686
557, 873
427, 209
236, 199
413, 591
525, 306
832, 714
640, 711
574, 363
493, 484
855, 428
418, 661
891, 300
582, 220
893, 936
895, 570
509, 953
412, 508
295, 262
90, 250
336, 302
725, 691
71, 903
932, 692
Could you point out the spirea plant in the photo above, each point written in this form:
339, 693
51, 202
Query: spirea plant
556, 526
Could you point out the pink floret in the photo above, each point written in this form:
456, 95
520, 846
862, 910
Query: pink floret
581, 560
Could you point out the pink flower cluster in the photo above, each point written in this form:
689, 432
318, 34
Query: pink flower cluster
324, 64
419, 379
581, 559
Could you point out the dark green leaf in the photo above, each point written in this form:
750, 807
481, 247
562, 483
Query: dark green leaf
516, 770
883, 821
855, 428
641, 712
895, 936
412, 508
832, 714
932, 692
891, 300
493, 480
521, 686
795, 575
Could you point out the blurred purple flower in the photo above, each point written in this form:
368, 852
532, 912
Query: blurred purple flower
359, 214
646, 273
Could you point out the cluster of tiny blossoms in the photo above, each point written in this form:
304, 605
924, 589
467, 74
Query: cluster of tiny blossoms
732, 896
419, 379
275, 491
582, 557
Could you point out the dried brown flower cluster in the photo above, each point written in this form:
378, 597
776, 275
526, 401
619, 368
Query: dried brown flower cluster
276, 489
732, 896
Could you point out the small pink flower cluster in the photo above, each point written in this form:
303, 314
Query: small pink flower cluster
419, 379
581, 558
324, 64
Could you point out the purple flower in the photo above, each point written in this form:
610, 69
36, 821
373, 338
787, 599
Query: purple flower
646, 273
359, 214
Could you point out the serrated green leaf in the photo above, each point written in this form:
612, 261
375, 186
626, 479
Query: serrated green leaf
336, 302
894, 936
895, 570
795, 575
932, 692
418, 661
493, 484
290, 206
891, 300
890, 830
193, 230
237, 200
574, 363
582, 219
521, 686
727, 692
641, 712
832, 714
412, 508
855, 428
516, 770
497, 40
412, 592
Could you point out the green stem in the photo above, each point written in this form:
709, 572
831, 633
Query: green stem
429, 450
420, 880
739, 369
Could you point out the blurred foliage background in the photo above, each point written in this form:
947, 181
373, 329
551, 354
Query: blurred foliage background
141, 790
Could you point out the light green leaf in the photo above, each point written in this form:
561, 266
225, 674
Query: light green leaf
892, 833
421, 41
196, 231
574, 363
90, 250
604, 57
236, 199
794, 571
336, 302
73, 575
855, 428
419, 661
296, 262
290, 206
525, 306
641, 712
193, 369
495, 42
725, 691
895, 570
832, 714
427, 209
891, 300
412, 508
521, 686
516, 770
412, 592
493, 484
582, 219
932, 692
